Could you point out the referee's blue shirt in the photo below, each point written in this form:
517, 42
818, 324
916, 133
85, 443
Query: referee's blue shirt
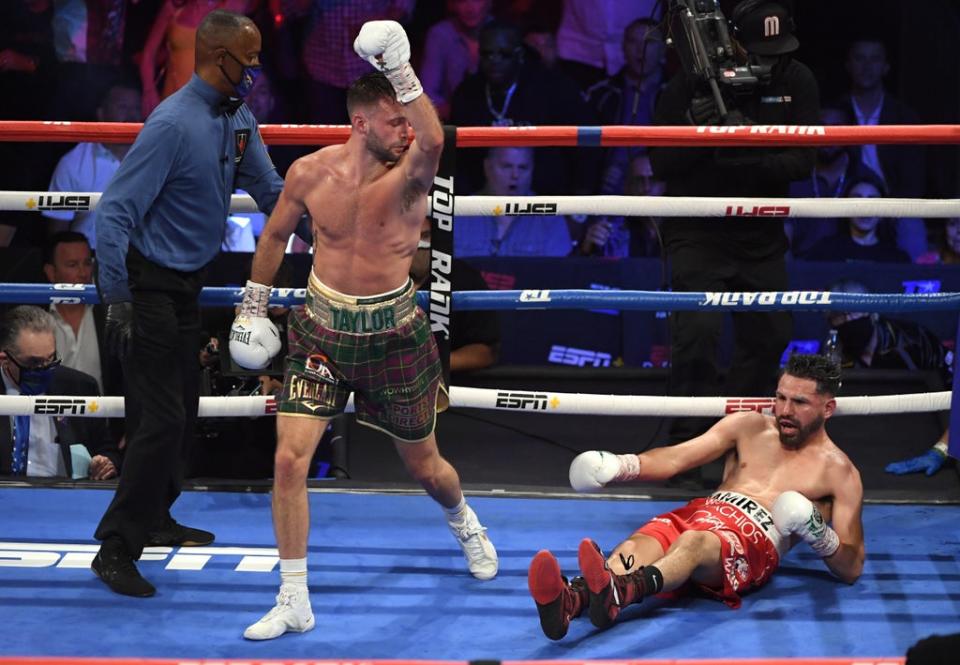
171, 195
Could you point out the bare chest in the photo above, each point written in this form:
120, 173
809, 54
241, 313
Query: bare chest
765, 472
375, 212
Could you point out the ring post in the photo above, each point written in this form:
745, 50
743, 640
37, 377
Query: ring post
441, 249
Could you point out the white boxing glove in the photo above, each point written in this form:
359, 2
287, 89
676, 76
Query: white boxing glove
592, 470
384, 45
794, 513
254, 340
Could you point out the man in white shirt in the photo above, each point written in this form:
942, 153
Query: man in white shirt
67, 260
88, 167
40, 445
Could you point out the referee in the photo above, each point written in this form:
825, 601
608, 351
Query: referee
159, 224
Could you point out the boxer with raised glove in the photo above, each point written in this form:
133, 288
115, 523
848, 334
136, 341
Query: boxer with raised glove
795, 514
254, 340
384, 45
590, 471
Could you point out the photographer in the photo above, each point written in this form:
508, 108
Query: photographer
733, 254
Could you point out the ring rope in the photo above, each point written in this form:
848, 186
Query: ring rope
639, 206
559, 135
541, 299
704, 206
526, 401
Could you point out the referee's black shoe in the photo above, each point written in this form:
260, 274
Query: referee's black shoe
114, 565
171, 533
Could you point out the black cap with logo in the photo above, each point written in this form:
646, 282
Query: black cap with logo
764, 28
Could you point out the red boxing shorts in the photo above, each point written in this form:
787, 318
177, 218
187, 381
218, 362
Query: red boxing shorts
750, 545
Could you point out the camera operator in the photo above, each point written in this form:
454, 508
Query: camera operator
736, 253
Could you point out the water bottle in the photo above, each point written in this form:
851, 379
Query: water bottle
831, 348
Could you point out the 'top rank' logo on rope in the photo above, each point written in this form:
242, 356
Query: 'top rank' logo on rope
732, 298
804, 130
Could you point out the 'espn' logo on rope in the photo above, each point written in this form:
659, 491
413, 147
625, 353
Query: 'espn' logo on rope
758, 404
757, 211
59, 202
530, 209
532, 401
43, 406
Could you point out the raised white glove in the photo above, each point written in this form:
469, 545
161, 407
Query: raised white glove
384, 45
592, 470
254, 340
794, 513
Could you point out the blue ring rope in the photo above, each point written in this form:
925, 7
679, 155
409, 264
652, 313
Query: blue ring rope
649, 301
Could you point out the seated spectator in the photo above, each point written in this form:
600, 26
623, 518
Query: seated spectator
543, 42
88, 167
474, 335
827, 180
28, 69
863, 238
451, 51
947, 234
88, 38
79, 328
330, 65
42, 445
175, 28
509, 172
901, 167
628, 97
878, 342
590, 34
27, 59
512, 89
627, 236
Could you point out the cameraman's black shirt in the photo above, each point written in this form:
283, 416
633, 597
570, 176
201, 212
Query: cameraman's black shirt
791, 98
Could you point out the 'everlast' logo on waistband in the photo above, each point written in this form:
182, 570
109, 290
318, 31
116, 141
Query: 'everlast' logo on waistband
364, 321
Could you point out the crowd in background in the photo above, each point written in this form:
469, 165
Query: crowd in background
483, 62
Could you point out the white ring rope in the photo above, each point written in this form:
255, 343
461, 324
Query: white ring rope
638, 206
85, 201
703, 206
526, 401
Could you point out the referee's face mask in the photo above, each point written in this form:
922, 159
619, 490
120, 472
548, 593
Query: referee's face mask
248, 75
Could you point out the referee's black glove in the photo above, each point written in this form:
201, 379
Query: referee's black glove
119, 329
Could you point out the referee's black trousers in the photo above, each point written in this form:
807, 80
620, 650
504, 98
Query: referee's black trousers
161, 399
759, 337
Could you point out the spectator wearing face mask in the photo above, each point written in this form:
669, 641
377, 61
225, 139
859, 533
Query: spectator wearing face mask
874, 341
38, 445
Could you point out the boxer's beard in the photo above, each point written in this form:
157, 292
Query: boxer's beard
802, 433
380, 151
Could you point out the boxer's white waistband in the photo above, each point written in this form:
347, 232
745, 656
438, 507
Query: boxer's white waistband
756, 513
